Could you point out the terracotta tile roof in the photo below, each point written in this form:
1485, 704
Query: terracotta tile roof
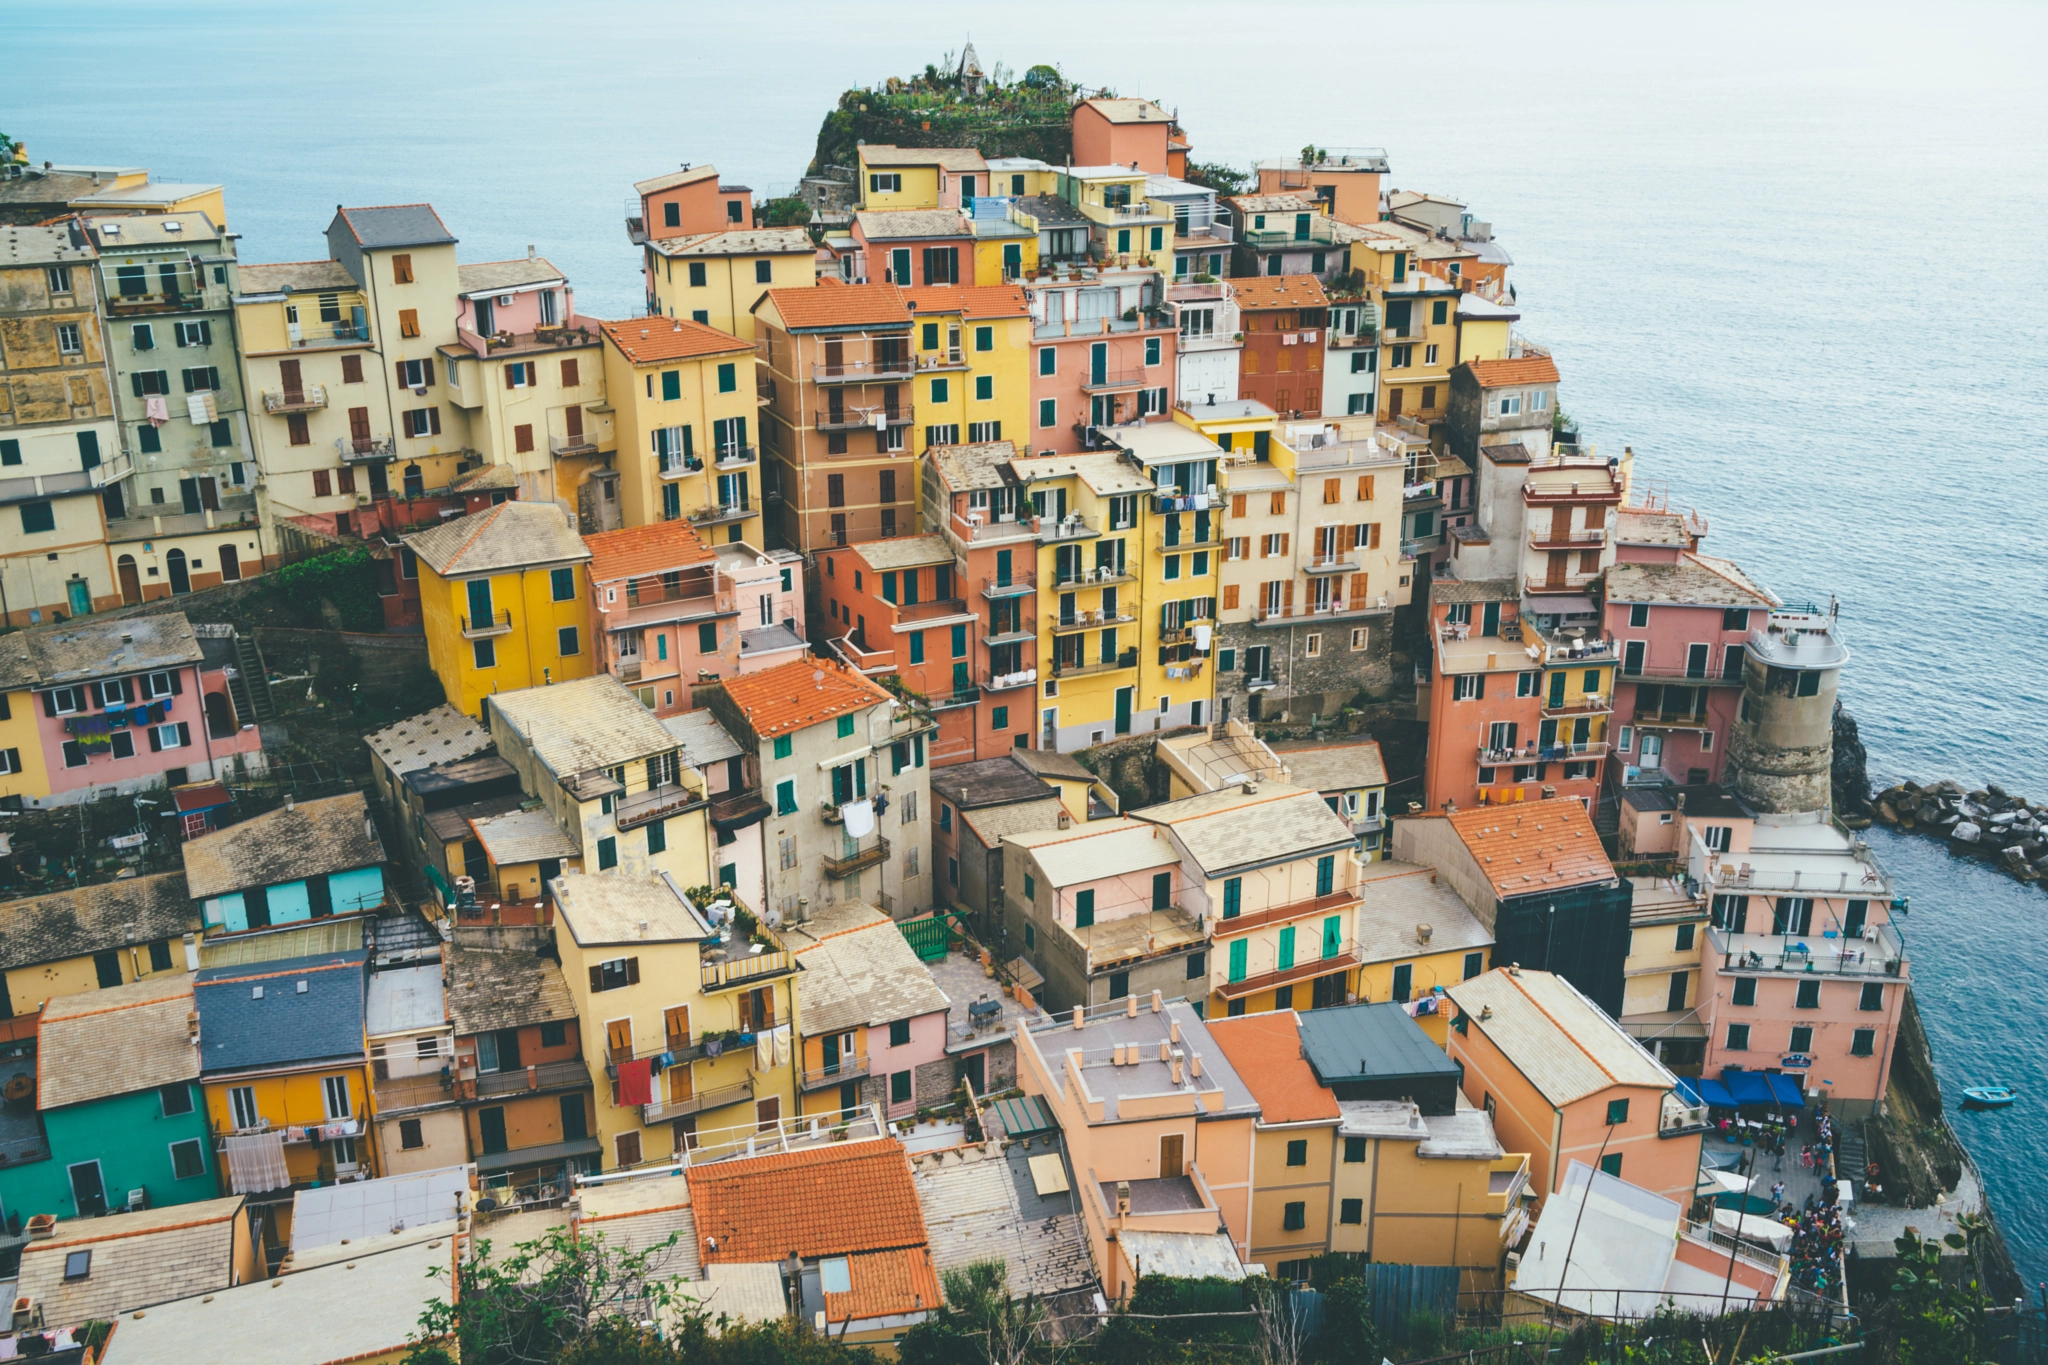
1533, 846
646, 341
1280, 291
777, 701
973, 301
886, 1282
833, 1200
852, 305
116, 1041
1501, 374
638, 551
1265, 1049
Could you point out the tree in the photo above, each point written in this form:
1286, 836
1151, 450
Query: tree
1282, 1335
1221, 177
980, 1324
1940, 1318
789, 211
1348, 1332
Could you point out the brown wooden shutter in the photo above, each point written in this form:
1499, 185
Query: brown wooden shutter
345, 480
1596, 516
398, 372
570, 374
1358, 588
572, 423
1287, 595
632, 971
1230, 597
511, 373
1237, 501
1347, 539
351, 369
522, 437
1333, 490
1375, 536
1286, 543
408, 322
401, 268
1277, 504
321, 487
596, 979
1365, 488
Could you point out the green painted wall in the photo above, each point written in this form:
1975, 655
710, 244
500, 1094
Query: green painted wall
131, 1139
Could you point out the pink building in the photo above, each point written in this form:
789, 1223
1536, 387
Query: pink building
122, 706
1804, 972
1678, 620
1091, 368
873, 1020
909, 247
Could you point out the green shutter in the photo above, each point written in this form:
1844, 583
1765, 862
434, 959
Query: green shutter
1233, 897
1084, 909
1238, 952
1286, 947
1333, 936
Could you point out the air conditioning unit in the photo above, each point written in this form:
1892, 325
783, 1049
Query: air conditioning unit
138, 1199
505, 300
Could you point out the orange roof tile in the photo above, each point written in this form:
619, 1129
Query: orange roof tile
974, 301
640, 550
1500, 374
779, 700
886, 1282
853, 305
1279, 291
1533, 846
832, 1200
1265, 1051
646, 341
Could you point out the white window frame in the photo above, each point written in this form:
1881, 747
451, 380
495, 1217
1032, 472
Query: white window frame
1465, 686
1627, 740
69, 340
242, 1109
167, 737
330, 1088
75, 694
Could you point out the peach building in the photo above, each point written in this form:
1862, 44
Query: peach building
1563, 1083
1126, 132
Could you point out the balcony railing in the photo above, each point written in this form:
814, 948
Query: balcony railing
866, 858
414, 1092
1281, 914
1189, 540
1098, 576
734, 457
1591, 704
1346, 562
1113, 381
1335, 609
1016, 585
979, 530
698, 1103
859, 656
306, 336
863, 371
1087, 620
657, 803
1568, 651
840, 1072
1127, 659
734, 808
1073, 526
1538, 753
1679, 675
499, 623
675, 465
1003, 682
1321, 232
307, 399
1879, 952
1543, 538
1343, 961
713, 512
580, 444
1365, 336
1561, 583
364, 449
854, 419
763, 958
1675, 1118
945, 358
543, 1076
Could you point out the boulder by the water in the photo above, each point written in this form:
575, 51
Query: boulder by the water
1966, 833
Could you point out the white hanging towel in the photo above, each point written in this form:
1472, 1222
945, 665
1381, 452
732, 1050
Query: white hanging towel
1201, 502
195, 408
1201, 639
859, 817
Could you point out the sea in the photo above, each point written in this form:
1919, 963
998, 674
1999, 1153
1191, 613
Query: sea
1792, 254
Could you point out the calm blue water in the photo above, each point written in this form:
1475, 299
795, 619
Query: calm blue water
1792, 253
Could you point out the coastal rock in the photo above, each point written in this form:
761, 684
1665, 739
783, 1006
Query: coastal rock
1966, 833
1887, 813
2014, 857
1993, 789
1849, 774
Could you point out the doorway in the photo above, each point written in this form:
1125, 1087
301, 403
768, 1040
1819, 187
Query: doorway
974, 1070
131, 581
1123, 710
78, 593
230, 564
88, 1191
1171, 1155
181, 581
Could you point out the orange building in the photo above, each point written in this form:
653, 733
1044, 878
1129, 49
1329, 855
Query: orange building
685, 202
1282, 362
1126, 132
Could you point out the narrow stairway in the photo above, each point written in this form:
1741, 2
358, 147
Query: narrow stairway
250, 688
1850, 1157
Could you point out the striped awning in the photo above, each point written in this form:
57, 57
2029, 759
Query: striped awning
1022, 1117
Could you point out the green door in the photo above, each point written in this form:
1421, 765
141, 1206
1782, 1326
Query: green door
1002, 568
1013, 260
1123, 710
1333, 936
959, 679
1239, 950
1098, 362
1489, 620
1301, 227
1286, 948
1557, 689
80, 594
479, 603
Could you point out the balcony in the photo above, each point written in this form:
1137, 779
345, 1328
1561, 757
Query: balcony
545, 1076
859, 862
482, 628
578, 444
1015, 635
1127, 659
1004, 682
976, 529
855, 419
864, 371
1287, 976
1335, 610
1073, 526
1281, 914
1099, 576
308, 399
734, 457
713, 513
312, 336
1189, 539
1016, 585
1087, 620
1591, 704
400, 1093
1365, 336
1346, 562
1878, 952
1544, 539
725, 966
1572, 650
1673, 718
1320, 231
838, 1073
662, 605
1114, 381
945, 358
1678, 675
698, 1103
657, 803
1539, 753
1572, 583
366, 449
1676, 1118
858, 656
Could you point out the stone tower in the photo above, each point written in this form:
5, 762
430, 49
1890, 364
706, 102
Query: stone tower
1781, 750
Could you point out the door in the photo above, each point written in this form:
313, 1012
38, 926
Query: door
1555, 568
1556, 690
88, 1192
1002, 568
575, 1118
831, 1048
188, 492
380, 481
230, 564
107, 969
974, 1071
359, 425
1171, 1160
78, 593
1560, 525
572, 425
768, 1113
1123, 710
1696, 661
131, 581
1098, 362
1653, 752
288, 378
1675, 999
181, 582
491, 1128
899, 266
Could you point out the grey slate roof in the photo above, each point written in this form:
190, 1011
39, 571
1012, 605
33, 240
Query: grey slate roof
76, 651
1049, 212
1695, 580
981, 465
1052, 764
584, 723
1369, 1042
92, 919
1395, 897
987, 782
494, 988
1474, 590
512, 535
308, 839
1333, 767
490, 276
238, 1031
396, 225
441, 735
858, 969
882, 225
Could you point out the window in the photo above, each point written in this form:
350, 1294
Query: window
1354, 1150
1617, 1112
188, 1161
785, 797
421, 421
899, 1033
784, 746
1863, 1043
1808, 997
984, 338
899, 1087
1119, 985
1030, 889
409, 1136
1738, 1038
1084, 909
1295, 1216
607, 854
999, 718
984, 387
38, 516
1475, 963
58, 277
334, 1090
1802, 1038
1611, 1163
1872, 997
940, 391
1685, 938
657, 837
616, 974
1297, 1151
567, 642
78, 1264
242, 1107
1233, 897
408, 322
401, 268
846, 727
1639, 615
1313, 646
1351, 1210
1198, 966
885, 182
484, 653
1404, 982
1468, 686
728, 378
1745, 991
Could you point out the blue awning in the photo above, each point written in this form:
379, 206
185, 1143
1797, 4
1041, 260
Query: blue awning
1786, 1090
1715, 1094
1748, 1087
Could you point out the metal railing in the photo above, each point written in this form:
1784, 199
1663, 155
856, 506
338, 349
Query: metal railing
499, 623
1190, 540
854, 419
772, 961
712, 512
1544, 539
866, 858
1096, 576
656, 803
733, 457
675, 464
306, 399
838, 1073
571, 445
1538, 753
1016, 585
861, 371
1073, 526
354, 448
1127, 659
1110, 380
1087, 620
697, 1103
541, 1076
1003, 682
305, 336
945, 358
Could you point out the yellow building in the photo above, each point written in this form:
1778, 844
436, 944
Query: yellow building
1351, 777
502, 596
654, 978
716, 278
973, 355
684, 406
1420, 330
1415, 938
1273, 875
283, 1053
92, 937
920, 177
1125, 229
873, 1017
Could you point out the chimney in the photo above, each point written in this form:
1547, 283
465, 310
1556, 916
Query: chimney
1079, 1021
1066, 820
1165, 1050
1130, 1007
1195, 1066
1116, 1055
1174, 1032
1681, 800
191, 952
1422, 933
529, 251
287, 801
1158, 1002
1123, 1198
1176, 1066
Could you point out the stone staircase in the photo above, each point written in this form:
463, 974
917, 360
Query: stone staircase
1850, 1155
250, 687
